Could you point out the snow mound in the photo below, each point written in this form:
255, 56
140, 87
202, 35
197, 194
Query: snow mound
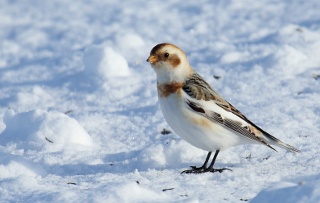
42, 130
104, 62
289, 192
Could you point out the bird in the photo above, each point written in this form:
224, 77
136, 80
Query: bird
197, 113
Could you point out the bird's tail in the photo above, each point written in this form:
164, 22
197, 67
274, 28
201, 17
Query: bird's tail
275, 141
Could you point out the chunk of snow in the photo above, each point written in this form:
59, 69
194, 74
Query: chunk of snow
105, 62
42, 130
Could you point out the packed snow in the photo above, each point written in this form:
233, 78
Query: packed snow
79, 117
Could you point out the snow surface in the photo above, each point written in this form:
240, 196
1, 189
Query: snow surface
79, 118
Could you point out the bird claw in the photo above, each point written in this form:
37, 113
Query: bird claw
198, 170
195, 169
220, 170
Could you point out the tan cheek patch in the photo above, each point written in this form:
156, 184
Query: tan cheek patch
174, 60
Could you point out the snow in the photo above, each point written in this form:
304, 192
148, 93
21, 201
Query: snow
44, 131
290, 192
105, 62
79, 117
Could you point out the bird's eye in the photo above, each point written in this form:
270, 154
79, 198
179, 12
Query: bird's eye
166, 55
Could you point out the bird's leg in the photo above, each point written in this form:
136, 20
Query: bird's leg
201, 169
204, 165
211, 169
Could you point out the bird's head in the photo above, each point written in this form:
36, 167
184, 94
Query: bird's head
170, 63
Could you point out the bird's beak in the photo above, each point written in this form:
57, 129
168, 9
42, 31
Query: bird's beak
152, 59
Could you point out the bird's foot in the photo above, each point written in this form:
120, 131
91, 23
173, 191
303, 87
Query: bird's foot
220, 170
195, 169
202, 169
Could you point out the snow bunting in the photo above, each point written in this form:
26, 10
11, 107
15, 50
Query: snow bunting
197, 113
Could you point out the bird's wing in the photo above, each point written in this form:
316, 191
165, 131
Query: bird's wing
235, 125
196, 87
203, 100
